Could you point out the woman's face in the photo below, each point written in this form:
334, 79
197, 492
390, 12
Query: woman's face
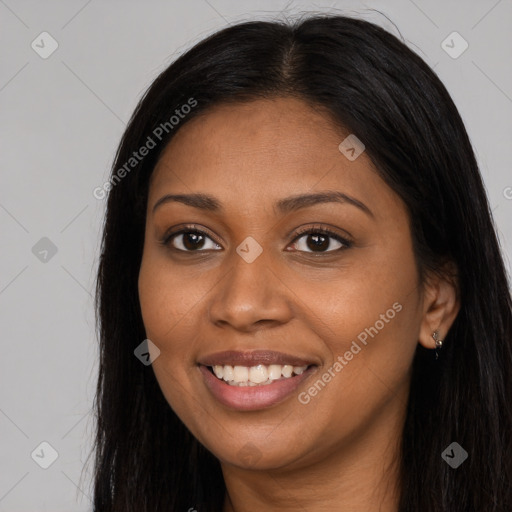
263, 287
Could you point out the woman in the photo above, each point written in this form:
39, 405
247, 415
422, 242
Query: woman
299, 251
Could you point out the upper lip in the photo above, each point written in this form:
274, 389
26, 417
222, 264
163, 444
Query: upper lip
252, 358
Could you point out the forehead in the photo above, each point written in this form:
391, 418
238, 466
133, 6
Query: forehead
267, 147
282, 128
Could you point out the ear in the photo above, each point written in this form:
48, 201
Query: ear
441, 304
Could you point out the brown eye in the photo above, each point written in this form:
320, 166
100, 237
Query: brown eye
320, 241
190, 241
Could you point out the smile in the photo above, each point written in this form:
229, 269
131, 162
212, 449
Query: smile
248, 381
260, 375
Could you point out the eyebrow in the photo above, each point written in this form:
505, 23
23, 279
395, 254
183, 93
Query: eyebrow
286, 205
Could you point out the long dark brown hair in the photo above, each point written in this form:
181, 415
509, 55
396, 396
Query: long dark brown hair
371, 83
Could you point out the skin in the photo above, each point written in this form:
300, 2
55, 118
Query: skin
337, 452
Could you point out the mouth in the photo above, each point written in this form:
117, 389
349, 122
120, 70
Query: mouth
253, 380
260, 375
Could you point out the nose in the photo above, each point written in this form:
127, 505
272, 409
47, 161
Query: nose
250, 296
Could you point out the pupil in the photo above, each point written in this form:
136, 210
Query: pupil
192, 236
324, 244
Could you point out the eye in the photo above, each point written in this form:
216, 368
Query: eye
190, 240
318, 240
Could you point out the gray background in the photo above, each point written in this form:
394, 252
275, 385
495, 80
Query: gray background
61, 120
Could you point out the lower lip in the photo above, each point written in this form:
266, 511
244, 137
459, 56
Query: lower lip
251, 398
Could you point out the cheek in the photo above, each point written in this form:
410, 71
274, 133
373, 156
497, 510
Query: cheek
169, 301
371, 338
369, 318
361, 301
170, 320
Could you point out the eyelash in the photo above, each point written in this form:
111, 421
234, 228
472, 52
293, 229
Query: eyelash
191, 228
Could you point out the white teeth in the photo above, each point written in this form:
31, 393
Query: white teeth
274, 371
219, 371
256, 375
228, 373
287, 370
240, 374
